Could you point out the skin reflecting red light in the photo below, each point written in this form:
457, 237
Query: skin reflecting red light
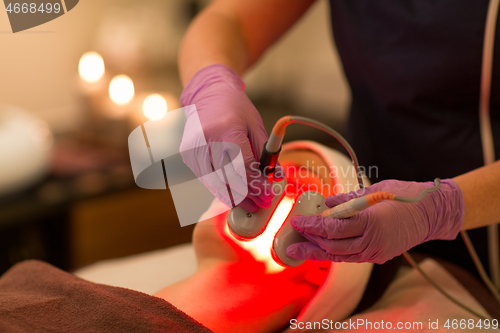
260, 246
265, 299
270, 293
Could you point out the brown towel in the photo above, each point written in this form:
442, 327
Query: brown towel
37, 297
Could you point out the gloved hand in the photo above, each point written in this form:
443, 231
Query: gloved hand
229, 122
385, 230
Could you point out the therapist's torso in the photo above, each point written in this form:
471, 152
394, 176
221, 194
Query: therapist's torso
414, 68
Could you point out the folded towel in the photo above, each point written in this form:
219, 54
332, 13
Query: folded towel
37, 297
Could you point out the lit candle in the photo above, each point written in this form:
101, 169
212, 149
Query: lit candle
121, 92
154, 107
91, 69
121, 89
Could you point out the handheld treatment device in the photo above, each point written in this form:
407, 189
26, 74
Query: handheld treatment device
308, 203
244, 225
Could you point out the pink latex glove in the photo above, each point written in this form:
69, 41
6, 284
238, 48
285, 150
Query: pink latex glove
227, 116
385, 230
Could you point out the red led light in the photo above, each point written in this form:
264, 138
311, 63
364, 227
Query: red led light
260, 246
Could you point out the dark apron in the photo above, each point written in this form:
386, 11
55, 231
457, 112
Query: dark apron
414, 68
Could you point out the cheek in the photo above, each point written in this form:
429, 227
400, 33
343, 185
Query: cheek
301, 179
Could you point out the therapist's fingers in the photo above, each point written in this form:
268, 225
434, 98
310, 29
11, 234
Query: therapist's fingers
198, 160
241, 171
260, 190
248, 205
279, 173
308, 250
334, 200
339, 246
329, 228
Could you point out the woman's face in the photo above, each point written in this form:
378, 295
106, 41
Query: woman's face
212, 239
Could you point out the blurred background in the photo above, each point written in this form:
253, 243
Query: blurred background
72, 90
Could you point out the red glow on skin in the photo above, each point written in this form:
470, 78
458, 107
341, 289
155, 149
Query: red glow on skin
263, 300
268, 294
260, 247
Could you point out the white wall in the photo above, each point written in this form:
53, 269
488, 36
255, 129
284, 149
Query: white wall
38, 67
